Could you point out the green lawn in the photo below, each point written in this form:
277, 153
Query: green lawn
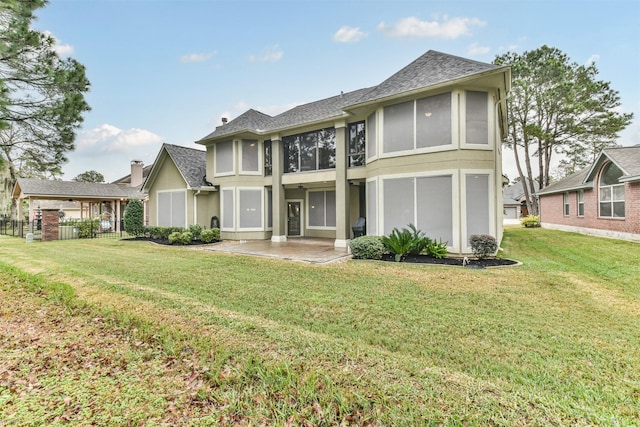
193, 337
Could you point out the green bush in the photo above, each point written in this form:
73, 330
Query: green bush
134, 218
174, 237
531, 221
367, 247
437, 249
186, 237
196, 230
401, 242
87, 228
483, 245
210, 235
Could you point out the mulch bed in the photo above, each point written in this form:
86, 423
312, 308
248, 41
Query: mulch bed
166, 242
472, 262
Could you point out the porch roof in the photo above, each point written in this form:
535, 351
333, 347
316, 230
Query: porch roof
73, 190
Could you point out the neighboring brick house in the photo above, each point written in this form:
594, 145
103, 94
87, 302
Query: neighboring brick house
602, 200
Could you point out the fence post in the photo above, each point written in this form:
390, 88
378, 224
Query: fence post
50, 225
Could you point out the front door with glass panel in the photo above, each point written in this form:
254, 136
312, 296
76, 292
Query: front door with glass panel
293, 219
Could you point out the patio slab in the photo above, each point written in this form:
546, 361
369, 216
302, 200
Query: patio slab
312, 250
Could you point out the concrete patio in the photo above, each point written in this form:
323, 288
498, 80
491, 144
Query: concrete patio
304, 249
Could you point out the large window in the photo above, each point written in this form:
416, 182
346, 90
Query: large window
224, 158
310, 151
372, 143
228, 211
565, 199
322, 209
172, 208
419, 124
611, 192
268, 162
580, 196
477, 117
250, 208
250, 157
478, 208
356, 144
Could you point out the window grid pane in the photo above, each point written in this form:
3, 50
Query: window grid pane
433, 121
224, 157
250, 156
227, 212
357, 142
250, 205
268, 168
477, 197
398, 203
330, 208
326, 148
477, 118
372, 201
434, 197
371, 136
316, 209
398, 130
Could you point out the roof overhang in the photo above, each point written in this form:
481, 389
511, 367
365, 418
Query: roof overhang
627, 178
585, 186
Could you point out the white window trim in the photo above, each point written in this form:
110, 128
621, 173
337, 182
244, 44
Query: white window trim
415, 150
455, 201
260, 150
578, 203
233, 160
463, 203
237, 209
490, 124
182, 190
302, 215
222, 202
317, 190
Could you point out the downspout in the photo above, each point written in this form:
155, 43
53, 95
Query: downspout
195, 206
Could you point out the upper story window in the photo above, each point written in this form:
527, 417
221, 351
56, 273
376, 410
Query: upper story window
356, 144
371, 133
611, 192
310, 151
224, 162
417, 124
250, 157
477, 117
268, 162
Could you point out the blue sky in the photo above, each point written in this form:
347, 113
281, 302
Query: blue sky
167, 71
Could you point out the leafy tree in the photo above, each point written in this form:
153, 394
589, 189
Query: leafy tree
89, 176
557, 106
41, 95
134, 218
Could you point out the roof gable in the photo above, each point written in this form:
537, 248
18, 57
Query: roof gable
626, 158
572, 182
190, 162
251, 120
42, 188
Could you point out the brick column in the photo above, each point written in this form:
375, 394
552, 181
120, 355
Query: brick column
50, 224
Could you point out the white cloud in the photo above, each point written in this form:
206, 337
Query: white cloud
447, 28
196, 57
270, 54
347, 34
592, 59
63, 50
476, 50
110, 150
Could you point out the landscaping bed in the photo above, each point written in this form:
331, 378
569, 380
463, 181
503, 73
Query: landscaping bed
471, 262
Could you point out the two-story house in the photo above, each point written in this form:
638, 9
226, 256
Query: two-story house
423, 147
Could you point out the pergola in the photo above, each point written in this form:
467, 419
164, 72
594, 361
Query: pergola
93, 197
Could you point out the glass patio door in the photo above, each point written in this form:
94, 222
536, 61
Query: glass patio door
293, 219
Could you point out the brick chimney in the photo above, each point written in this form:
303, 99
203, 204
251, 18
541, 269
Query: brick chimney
136, 172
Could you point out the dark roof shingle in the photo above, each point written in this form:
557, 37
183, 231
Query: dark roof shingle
191, 162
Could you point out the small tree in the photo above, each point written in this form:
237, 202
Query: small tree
134, 218
89, 176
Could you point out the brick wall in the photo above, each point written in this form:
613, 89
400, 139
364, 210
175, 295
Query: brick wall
50, 224
552, 211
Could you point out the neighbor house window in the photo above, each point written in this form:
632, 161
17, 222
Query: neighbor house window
580, 195
356, 144
611, 192
268, 163
565, 199
224, 164
250, 157
310, 151
322, 209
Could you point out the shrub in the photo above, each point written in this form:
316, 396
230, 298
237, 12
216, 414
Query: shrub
483, 245
367, 247
174, 237
196, 230
134, 218
210, 235
87, 228
186, 237
401, 242
437, 249
420, 242
531, 221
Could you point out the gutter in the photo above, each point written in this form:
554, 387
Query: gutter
587, 186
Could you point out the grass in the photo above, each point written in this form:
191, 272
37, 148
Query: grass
193, 337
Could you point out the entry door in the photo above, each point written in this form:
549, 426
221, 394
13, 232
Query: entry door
293, 218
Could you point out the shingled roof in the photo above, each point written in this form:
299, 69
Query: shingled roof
428, 70
42, 188
191, 162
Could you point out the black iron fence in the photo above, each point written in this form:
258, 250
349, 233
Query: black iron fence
67, 229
